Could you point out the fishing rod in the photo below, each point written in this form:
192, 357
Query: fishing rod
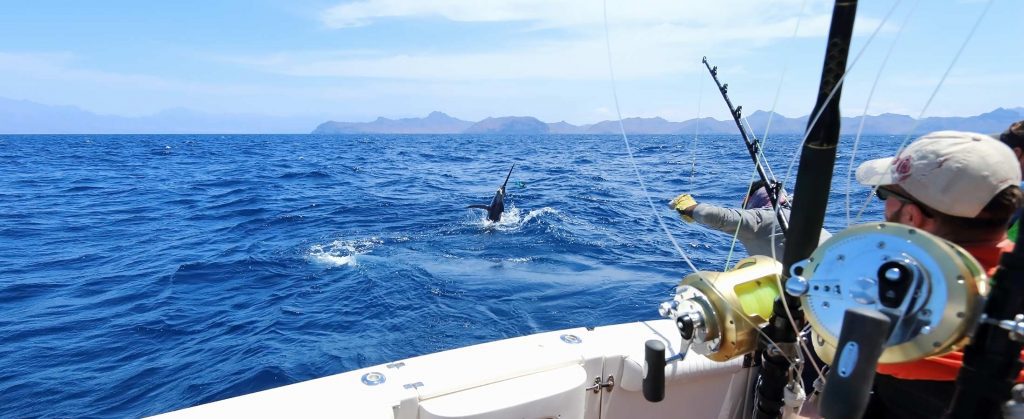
813, 183
773, 188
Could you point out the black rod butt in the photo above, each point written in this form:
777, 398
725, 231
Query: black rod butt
654, 370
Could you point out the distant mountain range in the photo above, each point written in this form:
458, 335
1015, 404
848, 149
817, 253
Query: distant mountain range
884, 124
25, 117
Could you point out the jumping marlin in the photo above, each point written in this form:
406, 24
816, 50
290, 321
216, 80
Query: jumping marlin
497, 206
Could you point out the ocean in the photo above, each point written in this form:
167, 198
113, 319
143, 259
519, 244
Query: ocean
141, 274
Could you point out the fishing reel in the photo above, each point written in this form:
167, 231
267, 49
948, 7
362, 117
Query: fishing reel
930, 289
718, 313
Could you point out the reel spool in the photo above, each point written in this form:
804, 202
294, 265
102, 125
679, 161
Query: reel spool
709, 307
931, 289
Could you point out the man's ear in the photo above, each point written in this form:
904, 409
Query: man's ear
907, 214
913, 216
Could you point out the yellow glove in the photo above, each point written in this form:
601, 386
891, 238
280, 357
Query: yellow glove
683, 202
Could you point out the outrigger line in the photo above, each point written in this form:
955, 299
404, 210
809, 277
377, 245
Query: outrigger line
773, 188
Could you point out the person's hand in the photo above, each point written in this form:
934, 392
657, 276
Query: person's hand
682, 204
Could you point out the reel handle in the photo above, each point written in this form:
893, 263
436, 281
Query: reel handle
861, 341
654, 370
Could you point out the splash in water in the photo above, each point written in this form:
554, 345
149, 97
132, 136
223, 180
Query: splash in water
513, 218
341, 252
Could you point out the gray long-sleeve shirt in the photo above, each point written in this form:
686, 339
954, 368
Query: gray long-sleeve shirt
756, 227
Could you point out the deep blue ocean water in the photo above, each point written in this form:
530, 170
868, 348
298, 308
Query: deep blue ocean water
144, 274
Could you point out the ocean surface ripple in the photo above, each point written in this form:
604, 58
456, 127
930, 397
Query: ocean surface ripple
144, 274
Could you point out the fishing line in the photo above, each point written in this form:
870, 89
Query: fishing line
629, 148
785, 69
838, 85
802, 343
757, 153
761, 155
696, 129
739, 223
831, 94
928, 103
743, 205
771, 115
814, 121
853, 63
863, 117
647, 196
775, 102
760, 150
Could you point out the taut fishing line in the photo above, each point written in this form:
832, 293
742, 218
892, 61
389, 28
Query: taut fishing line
643, 187
928, 103
696, 131
867, 104
761, 156
838, 85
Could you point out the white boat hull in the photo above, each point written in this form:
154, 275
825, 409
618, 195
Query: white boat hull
545, 375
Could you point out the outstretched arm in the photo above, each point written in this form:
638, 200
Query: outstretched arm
726, 220
722, 219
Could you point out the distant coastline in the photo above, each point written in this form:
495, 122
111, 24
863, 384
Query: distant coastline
884, 124
25, 117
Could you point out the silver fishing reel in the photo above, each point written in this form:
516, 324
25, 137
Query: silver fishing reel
931, 289
717, 312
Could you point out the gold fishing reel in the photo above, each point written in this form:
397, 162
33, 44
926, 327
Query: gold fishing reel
717, 312
932, 290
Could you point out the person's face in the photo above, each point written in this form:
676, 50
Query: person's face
901, 208
892, 209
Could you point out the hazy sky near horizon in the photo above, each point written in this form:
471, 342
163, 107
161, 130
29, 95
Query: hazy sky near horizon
356, 60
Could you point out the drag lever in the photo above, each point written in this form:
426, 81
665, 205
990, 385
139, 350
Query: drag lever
654, 370
853, 370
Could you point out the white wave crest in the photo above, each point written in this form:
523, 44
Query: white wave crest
341, 252
537, 213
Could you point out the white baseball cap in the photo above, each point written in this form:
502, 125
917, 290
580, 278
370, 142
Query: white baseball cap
954, 172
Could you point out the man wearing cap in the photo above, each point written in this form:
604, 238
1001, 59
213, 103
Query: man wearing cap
1013, 137
962, 187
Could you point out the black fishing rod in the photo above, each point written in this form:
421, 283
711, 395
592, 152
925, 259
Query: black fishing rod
992, 360
813, 183
774, 189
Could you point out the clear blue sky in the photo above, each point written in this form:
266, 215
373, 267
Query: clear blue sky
356, 60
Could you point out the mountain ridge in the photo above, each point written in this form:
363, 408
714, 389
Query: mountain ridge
991, 122
26, 117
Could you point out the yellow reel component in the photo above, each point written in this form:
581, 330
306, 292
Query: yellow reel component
740, 299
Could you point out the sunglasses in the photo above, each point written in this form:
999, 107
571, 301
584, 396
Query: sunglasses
884, 193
